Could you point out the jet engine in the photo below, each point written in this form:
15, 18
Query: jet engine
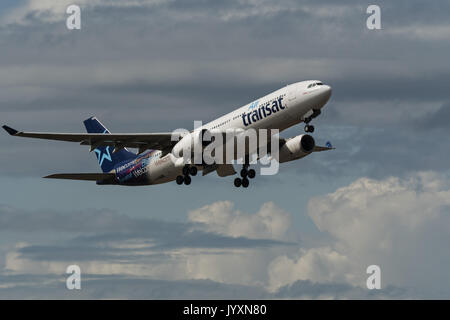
296, 148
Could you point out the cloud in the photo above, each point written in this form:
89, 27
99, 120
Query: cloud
398, 224
147, 65
127, 287
106, 242
423, 32
378, 152
50, 11
305, 289
321, 265
97, 226
435, 120
47, 11
186, 58
269, 222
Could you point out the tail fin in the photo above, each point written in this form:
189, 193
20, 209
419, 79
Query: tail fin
105, 156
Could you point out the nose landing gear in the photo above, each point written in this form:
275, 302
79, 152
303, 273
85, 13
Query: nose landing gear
310, 128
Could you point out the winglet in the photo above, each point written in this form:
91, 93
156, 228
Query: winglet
10, 130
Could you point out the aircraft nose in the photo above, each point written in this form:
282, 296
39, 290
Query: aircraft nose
326, 92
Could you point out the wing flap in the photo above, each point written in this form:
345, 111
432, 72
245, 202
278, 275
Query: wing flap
82, 176
224, 170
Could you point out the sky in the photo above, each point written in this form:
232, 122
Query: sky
309, 232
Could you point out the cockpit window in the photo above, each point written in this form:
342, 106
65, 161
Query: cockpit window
315, 84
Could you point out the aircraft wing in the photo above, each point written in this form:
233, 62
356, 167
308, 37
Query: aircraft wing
319, 148
327, 147
142, 141
82, 176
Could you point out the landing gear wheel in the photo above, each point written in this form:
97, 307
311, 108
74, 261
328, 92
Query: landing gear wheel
237, 182
244, 173
245, 182
180, 180
186, 170
193, 171
187, 180
309, 128
251, 173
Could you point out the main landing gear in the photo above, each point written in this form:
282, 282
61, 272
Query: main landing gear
245, 174
187, 172
308, 127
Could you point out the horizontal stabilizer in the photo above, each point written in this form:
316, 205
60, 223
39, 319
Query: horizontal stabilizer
82, 176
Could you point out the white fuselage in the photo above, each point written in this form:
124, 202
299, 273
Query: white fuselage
296, 98
280, 110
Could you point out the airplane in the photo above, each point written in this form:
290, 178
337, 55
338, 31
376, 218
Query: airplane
158, 157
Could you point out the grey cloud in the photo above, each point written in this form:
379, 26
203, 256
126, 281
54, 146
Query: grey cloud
437, 120
94, 229
376, 152
310, 290
123, 287
157, 68
85, 253
97, 240
99, 248
399, 152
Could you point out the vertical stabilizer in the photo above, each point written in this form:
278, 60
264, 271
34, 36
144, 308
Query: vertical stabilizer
105, 156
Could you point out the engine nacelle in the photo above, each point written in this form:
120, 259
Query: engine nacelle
192, 142
296, 148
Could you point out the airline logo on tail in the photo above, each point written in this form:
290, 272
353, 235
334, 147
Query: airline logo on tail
103, 156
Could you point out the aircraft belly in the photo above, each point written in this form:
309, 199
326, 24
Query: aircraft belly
138, 175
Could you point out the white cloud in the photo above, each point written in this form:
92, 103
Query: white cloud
52, 11
322, 264
402, 225
422, 32
220, 217
119, 245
